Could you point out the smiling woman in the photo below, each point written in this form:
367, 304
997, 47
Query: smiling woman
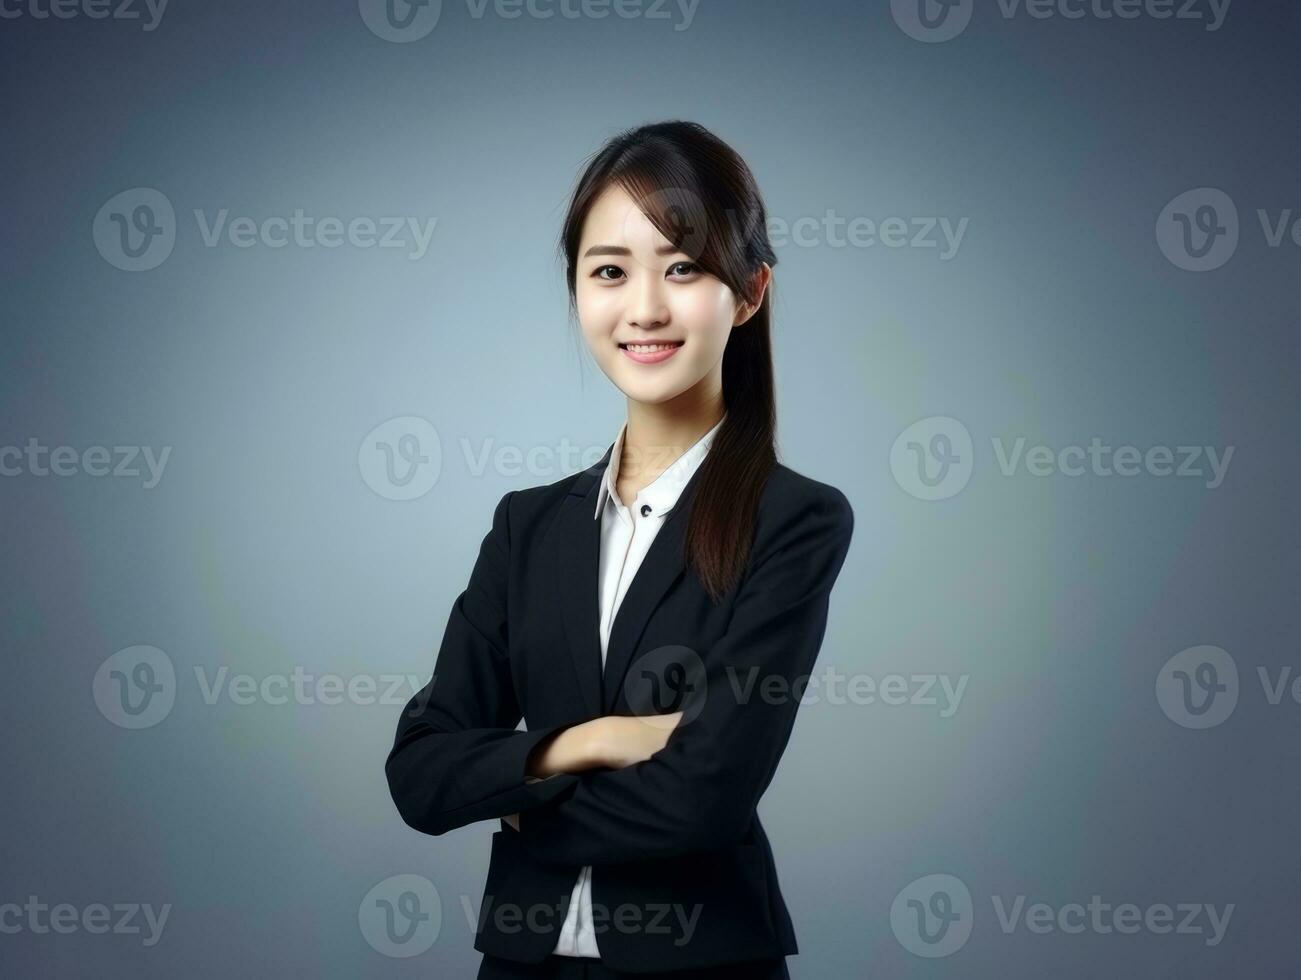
655, 298
665, 243
613, 608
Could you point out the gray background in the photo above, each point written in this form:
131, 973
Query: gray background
265, 546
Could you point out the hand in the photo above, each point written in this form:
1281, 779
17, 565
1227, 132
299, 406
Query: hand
631, 739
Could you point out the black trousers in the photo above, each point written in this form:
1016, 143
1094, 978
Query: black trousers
587, 968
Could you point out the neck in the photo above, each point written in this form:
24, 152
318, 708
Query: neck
657, 436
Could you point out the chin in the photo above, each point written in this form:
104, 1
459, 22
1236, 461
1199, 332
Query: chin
651, 394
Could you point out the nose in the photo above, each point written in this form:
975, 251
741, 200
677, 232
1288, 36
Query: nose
647, 305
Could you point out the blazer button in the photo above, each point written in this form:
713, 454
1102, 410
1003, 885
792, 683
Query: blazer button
645, 510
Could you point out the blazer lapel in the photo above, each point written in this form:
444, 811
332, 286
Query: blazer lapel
578, 553
664, 563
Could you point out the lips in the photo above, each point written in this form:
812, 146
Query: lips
651, 353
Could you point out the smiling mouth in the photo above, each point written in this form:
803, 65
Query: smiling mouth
652, 348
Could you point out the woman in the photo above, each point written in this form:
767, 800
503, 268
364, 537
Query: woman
652, 618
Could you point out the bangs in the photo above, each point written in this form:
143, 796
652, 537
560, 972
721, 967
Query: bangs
674, 206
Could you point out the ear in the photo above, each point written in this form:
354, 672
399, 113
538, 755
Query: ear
758, 287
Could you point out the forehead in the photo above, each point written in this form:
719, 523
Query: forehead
615, 219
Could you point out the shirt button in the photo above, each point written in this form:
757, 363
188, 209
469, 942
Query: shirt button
645, 510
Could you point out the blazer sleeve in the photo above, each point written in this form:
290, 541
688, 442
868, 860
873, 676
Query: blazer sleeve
700, 791
457, 757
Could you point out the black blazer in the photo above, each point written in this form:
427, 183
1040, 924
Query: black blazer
682, 873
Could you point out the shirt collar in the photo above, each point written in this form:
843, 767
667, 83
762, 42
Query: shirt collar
664, 491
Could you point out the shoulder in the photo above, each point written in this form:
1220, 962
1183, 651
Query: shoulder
532, 501
801, 536
529, 509
790, 497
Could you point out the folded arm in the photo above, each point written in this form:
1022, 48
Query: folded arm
701, 790
457, 756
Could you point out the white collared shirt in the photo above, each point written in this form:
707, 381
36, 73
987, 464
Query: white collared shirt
626, 536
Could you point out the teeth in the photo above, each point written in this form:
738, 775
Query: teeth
649, 348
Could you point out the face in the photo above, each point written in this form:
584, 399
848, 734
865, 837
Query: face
632, 287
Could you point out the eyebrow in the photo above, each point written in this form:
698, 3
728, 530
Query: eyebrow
620, 250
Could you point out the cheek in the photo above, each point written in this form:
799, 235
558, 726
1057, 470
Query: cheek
597, 314
706, 311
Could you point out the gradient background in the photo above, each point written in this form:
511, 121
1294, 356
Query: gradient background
264, 547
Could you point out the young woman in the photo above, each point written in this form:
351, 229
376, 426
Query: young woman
652, 618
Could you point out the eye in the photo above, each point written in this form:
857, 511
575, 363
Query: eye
690, 268
597, 273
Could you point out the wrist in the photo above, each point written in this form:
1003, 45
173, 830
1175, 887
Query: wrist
572, 750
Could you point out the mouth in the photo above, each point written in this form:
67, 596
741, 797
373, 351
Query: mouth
651, 353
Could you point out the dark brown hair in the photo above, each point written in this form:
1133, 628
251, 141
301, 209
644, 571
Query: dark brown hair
701, 196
